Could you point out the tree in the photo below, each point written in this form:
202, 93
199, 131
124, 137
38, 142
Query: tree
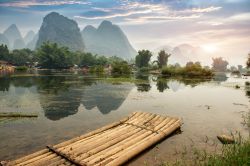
51, 56
121, 68
163, 58
248, 61
4, 52
21, 57
219, 64
143, 58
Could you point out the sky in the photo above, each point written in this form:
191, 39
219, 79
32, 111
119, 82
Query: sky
219, 27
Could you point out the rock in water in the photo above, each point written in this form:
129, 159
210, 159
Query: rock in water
61, 30
226, 139
109, 40
12, 33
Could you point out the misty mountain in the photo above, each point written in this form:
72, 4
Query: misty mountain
29, 36
4, 40
59, 29
109, 40
32, 44
183, 53
12, 33
19, 44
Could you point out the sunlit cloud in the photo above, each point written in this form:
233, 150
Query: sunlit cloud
138, 12
25, 4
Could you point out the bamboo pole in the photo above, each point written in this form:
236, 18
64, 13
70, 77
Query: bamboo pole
25, 158
111, 137
132, 116
94, 132
117, 154
108, 152
35, 159
83, 148
137, 149
111, 143
119, 147
87, 141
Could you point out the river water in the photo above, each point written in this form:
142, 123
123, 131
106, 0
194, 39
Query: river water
70, 104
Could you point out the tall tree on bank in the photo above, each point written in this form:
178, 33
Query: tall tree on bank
4, 52
163, 58
51, 56
143, 58
248, 61
219, 64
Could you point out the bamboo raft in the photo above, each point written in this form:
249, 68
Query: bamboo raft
110, 145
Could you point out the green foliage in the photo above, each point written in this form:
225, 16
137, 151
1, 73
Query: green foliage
143, 58
237, 154
21, 57
190, 70
21, 68
4, 52
51, 56
96, 69
163, 58
219, 64
121, 68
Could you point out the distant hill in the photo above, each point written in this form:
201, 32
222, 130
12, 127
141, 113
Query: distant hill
19, 44
29, 36
13, 34
4, 40
183, 53
109, 40
59, 29
32, 44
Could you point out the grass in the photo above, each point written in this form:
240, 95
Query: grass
231, 155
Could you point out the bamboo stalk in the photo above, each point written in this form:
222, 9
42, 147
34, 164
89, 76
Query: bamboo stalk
35, 159
119, 147
98, 142
91, 139
115, 155
44, 161
108, 144
93, 132
108, 152
25, 158
132, 116
137, 149
110, 133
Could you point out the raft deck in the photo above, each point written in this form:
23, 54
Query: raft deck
111, 145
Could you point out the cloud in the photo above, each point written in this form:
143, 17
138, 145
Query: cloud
139, 12
240, 17
25, 3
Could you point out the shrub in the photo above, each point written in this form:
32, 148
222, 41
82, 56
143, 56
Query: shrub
21, 68
121, 68
190, 70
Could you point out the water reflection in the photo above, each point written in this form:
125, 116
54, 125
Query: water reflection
106, 97
61, 96
162, 84
144, 84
